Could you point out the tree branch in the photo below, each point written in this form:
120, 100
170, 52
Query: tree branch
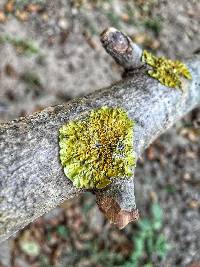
32, 181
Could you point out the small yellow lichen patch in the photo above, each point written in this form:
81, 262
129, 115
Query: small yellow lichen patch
97, 148
166, 71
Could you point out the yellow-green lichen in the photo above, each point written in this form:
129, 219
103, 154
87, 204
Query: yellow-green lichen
97, 148
166, 71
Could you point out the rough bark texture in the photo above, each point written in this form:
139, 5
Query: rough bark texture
32, 181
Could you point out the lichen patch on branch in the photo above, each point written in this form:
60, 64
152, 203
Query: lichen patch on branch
166, 71
97, 148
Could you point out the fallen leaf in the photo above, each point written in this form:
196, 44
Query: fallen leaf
31, 248
10, 71
194, 204
125, 17
33, 8
2, 17
9, 6
22, 15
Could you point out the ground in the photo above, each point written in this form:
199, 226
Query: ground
50, 53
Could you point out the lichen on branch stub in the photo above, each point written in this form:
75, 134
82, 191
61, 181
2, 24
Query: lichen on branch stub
166, 71
97, 148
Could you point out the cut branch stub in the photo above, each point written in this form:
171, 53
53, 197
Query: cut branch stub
117, 202
115, 214
122, 49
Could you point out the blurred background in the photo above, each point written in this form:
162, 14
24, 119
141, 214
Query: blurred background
50, 53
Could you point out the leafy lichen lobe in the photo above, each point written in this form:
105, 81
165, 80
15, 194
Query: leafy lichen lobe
97, 148
166, 71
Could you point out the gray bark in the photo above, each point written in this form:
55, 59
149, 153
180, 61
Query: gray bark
32, 181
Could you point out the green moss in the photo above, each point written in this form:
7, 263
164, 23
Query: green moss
23, 46
97, 148
166, 71
153, 25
